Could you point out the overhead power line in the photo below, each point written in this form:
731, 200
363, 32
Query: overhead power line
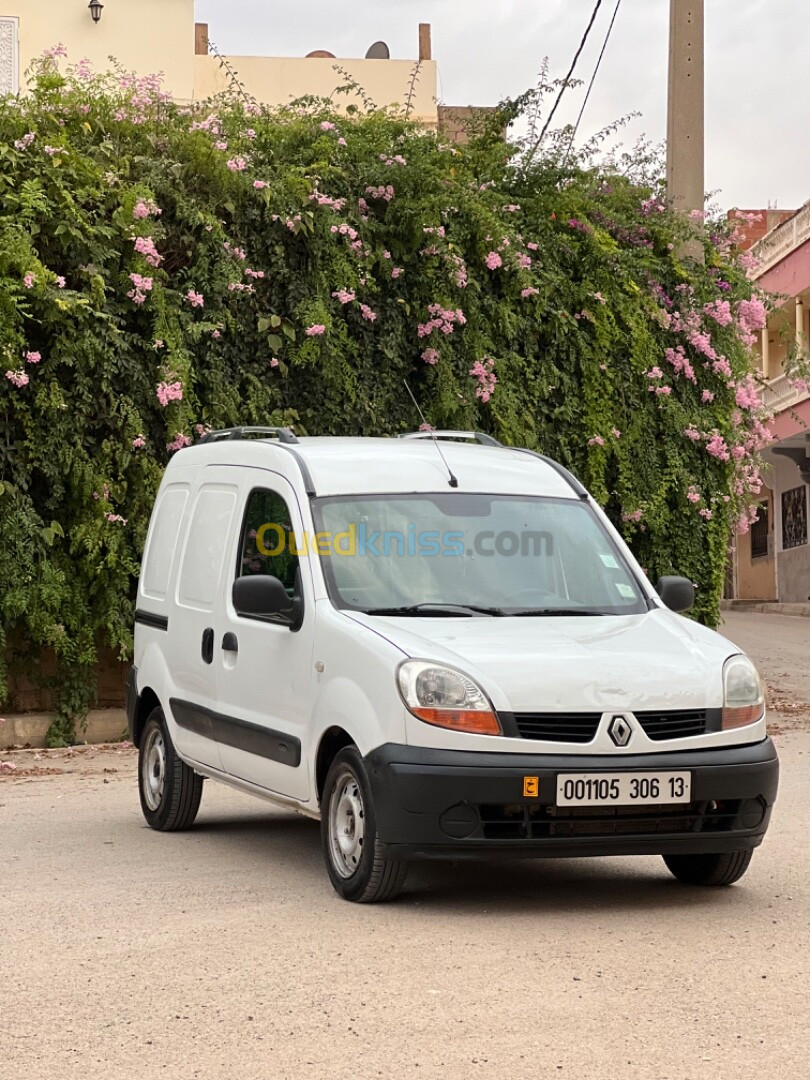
567, 78
593, 80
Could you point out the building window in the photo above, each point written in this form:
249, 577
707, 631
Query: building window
759, 533
9, 56
794, 517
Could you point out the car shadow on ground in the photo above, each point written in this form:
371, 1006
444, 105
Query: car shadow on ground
290, 844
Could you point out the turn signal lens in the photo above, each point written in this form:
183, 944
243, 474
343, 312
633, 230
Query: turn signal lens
743, 696
739, 717
447, 698
479, 723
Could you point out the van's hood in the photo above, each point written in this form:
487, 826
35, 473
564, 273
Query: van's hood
657, 660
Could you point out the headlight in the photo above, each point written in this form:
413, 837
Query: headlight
446, 697
743, 696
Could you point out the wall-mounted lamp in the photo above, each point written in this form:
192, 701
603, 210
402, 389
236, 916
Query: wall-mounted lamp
95, 9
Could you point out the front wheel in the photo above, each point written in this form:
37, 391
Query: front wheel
709, 869
170, 790
351, 847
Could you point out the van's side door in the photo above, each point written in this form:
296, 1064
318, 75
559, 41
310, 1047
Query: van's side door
191, 645
265, 675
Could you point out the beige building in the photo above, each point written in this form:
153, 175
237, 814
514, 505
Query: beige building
148, 36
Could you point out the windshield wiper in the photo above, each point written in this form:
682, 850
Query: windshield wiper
556, 611
428, 610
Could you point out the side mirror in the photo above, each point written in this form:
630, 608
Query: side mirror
677, 593
260, 594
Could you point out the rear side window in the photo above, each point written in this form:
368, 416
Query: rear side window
163, 541
206, 545
267, 544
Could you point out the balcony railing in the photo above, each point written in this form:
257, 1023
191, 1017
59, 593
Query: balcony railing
779, 242
779, 395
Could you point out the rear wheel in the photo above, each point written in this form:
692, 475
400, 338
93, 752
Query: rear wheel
709, 869
351, 847
170, 790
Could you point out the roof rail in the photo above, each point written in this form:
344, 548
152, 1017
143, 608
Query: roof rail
561, 470
283, 434
472, 436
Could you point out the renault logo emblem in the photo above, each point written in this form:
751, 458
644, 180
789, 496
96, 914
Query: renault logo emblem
620, 731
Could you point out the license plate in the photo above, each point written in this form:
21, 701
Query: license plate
623, 789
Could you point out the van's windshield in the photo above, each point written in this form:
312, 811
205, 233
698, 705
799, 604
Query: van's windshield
461, 554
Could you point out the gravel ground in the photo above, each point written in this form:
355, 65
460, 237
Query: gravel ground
223, 953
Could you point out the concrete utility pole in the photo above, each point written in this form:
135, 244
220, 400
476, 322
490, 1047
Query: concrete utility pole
685, 119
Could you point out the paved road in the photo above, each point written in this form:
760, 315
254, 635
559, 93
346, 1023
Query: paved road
780, 646
223, 954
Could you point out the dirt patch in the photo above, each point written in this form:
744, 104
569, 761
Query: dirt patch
110, 760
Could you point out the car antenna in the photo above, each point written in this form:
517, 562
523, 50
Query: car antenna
453, 481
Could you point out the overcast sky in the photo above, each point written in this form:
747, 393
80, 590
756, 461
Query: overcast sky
757, 102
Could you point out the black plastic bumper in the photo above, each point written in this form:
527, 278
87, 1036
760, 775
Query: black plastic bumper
461, 804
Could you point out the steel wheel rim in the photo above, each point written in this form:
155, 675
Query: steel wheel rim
347, 824
153, 769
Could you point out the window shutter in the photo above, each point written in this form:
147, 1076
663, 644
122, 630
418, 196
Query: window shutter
9, 56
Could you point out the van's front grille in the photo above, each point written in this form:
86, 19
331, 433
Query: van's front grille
672, 723
658, 725
558, 727
522, 821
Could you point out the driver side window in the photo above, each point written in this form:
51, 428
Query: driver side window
268, 541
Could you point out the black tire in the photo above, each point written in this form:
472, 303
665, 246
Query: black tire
359, 873
170, 790
709, 869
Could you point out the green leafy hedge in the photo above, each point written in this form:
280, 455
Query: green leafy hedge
164, 270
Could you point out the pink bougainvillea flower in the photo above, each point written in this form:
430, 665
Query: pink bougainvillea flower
167, 392
396, 272
18, 378
138, 442
493, 260
345, 296
145, 246
221, 144
367, 313
259, 184
60, 282
141, 286
315, 330
179, 442
342, 142
274, 362
237, 164
29, 279
707, 395
597, 440
430, 356
327, 125
195, 299
484, 371
33, 357
526, 293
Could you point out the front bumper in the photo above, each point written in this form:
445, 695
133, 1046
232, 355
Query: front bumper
464, 804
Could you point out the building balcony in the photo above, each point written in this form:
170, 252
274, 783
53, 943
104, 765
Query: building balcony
779, 395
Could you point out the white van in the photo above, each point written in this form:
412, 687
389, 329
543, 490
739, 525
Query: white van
440, 647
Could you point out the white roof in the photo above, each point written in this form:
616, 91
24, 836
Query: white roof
347, 466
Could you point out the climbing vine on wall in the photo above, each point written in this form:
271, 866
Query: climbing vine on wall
166, 269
